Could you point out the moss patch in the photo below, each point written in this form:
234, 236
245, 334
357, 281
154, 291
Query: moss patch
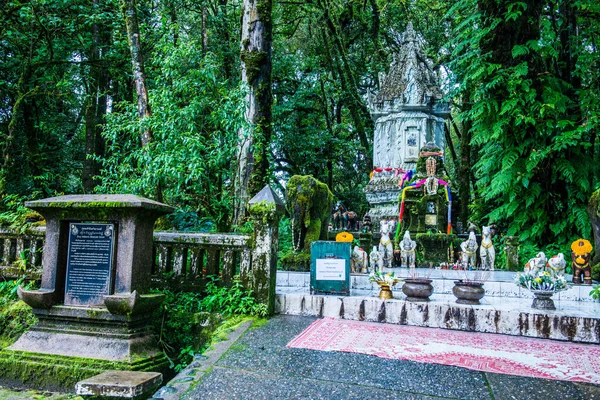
296, 262
434, 247
309, 203
51, 372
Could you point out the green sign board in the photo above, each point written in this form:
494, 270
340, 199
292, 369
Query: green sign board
330, 268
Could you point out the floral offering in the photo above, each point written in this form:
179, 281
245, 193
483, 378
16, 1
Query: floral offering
389, 279
541, 280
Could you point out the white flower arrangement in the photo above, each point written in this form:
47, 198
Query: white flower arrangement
389, 279
541, 280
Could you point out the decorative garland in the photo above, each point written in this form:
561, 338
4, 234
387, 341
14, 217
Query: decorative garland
377, 170
417, 185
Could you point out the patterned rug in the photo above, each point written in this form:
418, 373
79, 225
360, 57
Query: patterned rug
514, 355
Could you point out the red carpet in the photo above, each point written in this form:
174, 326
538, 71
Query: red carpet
514, 355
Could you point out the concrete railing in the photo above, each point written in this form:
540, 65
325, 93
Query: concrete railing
197, 255
188, 257
21, 252
185, 255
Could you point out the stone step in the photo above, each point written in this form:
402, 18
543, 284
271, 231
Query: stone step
500, 284
120, 384
571, 321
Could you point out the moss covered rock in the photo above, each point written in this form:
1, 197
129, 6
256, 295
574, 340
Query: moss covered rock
309, 203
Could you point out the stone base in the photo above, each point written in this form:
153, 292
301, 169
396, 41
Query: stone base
504, 316
89, 332
39, 371
120, 384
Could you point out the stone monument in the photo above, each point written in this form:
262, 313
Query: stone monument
408, 113
94, 307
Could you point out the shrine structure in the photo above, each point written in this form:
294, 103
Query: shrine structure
408, 113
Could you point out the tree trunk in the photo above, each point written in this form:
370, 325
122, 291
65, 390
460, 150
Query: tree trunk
139, 76
255, 54
137, 62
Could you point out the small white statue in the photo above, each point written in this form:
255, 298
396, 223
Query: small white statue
358, 261
407, 247
487, 253
556, 265
375, 260
469, 251
536, 264
386, 248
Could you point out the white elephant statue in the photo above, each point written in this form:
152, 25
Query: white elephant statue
536, 264
375, 260
359, 261
556, 265
469, 251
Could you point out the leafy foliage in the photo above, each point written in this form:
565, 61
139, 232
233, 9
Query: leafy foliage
536, 169
175, 325
234, 299
15, 316
195, 120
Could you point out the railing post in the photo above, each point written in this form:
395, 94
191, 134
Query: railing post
266, 208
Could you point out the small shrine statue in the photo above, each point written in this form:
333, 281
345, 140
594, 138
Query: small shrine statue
367, 224
536, 264
397, 259
431, 184
581, 251
358, 261
386, 248
407, 247
471, 227
469, 251
556, 265
375, 260
487, 253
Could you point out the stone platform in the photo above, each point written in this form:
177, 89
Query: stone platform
505, 309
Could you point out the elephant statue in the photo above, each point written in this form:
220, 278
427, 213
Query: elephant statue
581, 250
536, 264
469, 251
375, 260
359, 261
556, 265
309, 204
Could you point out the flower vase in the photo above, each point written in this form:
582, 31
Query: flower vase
543, 300
386, 291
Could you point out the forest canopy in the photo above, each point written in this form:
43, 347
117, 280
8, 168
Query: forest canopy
522, 78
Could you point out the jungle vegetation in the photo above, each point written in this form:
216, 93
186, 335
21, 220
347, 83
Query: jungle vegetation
114, 96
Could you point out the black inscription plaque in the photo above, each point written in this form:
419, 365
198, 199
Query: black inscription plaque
89, 263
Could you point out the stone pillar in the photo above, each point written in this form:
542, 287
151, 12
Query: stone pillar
266, 209
511, 249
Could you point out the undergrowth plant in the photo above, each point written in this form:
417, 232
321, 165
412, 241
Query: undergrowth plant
234, 299
175, 325
15, 316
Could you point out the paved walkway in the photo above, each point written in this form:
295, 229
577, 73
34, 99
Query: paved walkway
259, 366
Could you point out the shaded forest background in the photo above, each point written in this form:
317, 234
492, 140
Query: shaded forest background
523, 78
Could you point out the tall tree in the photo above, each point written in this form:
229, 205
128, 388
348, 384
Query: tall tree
129, 8
253, 148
